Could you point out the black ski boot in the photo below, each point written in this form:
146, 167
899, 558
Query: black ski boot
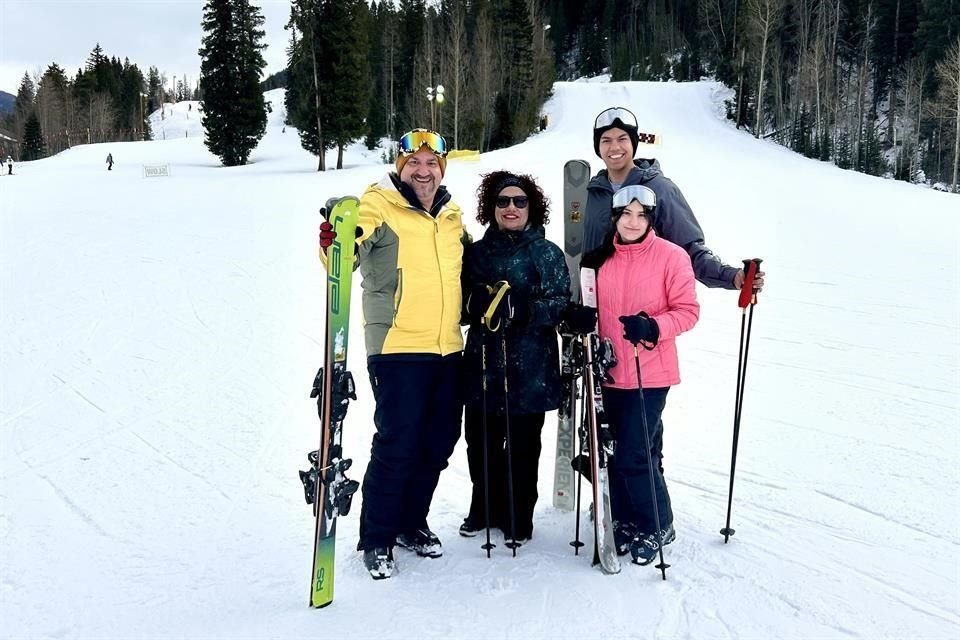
423, 541
668, 535
469, 528
644, 548
379, 562
623, 535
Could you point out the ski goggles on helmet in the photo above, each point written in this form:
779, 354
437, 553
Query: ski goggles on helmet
644, 195
413, 141
611, 117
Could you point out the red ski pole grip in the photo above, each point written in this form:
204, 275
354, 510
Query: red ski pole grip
750, 268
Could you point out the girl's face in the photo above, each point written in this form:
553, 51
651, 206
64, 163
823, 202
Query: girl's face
632, 223
511, 216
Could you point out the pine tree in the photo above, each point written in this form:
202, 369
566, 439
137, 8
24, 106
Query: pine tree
95, 59
25, 96
252, 107
154, 90
302, 98
377, 111
234, 115
413, 23
33, 146
345, 97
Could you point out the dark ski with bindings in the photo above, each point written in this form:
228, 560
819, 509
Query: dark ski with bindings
576, 176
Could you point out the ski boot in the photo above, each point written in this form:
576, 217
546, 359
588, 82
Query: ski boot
422, 541
668, 535
469, 528
623, 535
379, 562
644, 548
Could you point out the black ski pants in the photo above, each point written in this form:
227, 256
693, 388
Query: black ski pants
417, 416
525, 448
629, 468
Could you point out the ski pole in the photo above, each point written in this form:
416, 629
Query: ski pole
506, 416
486, 455
653, 491
487, 320
748, 297
576, 544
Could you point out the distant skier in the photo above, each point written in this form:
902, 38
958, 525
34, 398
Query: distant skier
615, 141
410, 248
9, 165
109, 162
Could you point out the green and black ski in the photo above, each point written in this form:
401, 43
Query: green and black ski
326, 486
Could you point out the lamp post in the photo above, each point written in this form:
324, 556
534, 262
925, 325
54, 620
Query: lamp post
435, 97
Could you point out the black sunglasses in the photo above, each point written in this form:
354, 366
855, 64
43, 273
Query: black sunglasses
519, 202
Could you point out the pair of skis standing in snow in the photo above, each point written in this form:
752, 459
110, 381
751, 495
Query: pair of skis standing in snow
390, 205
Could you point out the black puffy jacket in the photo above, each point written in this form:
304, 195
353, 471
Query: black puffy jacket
537, 273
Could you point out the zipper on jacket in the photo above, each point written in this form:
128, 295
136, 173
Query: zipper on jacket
398, 295
443, 305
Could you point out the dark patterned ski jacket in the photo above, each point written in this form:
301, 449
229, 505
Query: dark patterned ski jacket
537, 272
673, 221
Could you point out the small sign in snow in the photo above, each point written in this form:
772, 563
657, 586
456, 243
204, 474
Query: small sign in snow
156, 171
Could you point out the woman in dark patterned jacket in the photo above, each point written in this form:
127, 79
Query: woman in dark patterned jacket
514, 248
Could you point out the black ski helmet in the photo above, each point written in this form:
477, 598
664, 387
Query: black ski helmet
615, 118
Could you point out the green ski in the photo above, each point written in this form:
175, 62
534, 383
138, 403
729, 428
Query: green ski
325, 485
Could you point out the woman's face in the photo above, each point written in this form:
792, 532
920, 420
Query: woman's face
509, 214
632, 223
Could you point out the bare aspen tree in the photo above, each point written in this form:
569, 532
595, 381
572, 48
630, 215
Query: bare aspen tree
764, 17
892, 93
305, 19
485, 81
948, 72
456, 71
542, 54
916, 73
390, 44
804, 9
863, 77
424, 75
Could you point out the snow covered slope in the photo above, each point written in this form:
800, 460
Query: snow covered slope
159, 338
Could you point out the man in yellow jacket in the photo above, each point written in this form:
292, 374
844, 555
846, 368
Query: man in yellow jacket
410, 247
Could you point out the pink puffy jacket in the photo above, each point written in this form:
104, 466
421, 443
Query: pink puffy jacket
653, 276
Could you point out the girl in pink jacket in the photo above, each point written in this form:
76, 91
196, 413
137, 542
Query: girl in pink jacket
646, 297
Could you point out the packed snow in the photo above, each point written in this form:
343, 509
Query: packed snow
160, 336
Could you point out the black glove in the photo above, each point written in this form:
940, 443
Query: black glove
580, 319
640, 328
518, 306
478, 299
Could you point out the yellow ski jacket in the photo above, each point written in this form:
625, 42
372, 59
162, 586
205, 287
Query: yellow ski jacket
410, 262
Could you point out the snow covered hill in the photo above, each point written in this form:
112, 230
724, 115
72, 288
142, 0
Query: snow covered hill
159, 338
